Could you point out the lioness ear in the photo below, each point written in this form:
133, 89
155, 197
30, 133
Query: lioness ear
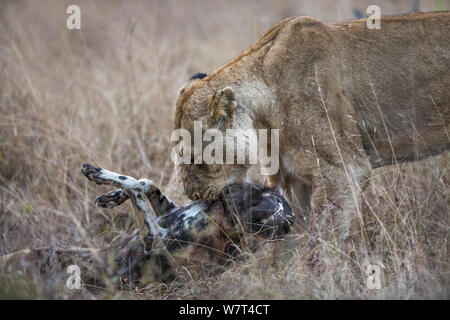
222, 107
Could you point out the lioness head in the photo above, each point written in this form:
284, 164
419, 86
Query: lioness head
214, 109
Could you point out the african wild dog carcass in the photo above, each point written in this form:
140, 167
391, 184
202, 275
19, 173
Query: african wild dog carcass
170, 236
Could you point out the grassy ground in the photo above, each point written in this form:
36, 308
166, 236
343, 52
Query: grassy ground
106, 94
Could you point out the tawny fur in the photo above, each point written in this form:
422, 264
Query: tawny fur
345, 98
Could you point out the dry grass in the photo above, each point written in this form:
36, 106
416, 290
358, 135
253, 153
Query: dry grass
106, 95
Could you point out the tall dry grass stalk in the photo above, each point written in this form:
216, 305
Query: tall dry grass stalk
106, 94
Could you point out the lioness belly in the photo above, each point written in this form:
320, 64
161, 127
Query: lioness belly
397, 79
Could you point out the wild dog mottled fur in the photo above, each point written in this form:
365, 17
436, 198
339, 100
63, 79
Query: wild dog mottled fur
199, 232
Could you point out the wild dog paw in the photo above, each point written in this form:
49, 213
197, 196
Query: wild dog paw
92, 172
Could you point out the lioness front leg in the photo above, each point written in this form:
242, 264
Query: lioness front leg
336, 199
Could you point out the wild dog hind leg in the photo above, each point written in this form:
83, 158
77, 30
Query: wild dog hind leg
146, 218
159, 202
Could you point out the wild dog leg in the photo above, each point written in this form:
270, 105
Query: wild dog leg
112, 199
135, 190
160, 203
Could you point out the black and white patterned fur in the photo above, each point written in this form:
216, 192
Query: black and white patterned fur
169, 236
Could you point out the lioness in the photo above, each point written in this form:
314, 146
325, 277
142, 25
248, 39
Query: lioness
345, 98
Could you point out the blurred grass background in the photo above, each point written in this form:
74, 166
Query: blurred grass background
106, 94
